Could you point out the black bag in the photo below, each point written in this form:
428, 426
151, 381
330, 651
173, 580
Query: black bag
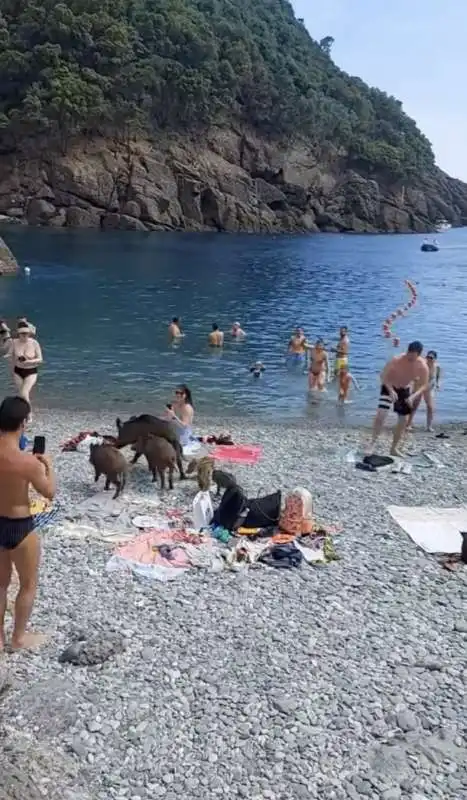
264, 512
230, 511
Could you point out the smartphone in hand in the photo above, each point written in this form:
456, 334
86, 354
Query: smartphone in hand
38, 447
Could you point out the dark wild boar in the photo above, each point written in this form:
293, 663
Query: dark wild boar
139, 427
109, 461
160, 455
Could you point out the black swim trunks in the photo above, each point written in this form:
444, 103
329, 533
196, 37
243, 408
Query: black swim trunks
23, 372
14, 530
401, 406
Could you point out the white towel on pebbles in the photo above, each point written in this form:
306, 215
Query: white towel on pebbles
435, 530
150, 522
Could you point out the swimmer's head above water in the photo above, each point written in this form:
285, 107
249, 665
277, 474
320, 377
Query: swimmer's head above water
257, 369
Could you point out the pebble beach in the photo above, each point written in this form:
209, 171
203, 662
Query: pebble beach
335, 682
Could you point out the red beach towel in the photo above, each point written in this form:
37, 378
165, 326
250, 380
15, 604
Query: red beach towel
238, 453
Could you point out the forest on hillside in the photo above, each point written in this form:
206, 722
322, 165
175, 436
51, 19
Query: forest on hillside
81, 67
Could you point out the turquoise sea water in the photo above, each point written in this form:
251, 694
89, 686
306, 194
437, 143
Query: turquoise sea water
102, 302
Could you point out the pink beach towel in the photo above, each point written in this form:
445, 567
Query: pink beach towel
143, 549
238, 453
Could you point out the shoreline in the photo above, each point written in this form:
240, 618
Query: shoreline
214, 423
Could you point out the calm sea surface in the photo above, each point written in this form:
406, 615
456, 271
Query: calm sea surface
102, 302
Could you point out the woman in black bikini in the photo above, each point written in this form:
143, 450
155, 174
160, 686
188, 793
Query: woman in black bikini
26, 357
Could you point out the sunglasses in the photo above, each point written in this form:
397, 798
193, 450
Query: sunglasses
179, 394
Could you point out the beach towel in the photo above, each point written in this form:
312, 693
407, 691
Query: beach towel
164, 555
87, 437
44, 513
435, 530
78, 530
238, 453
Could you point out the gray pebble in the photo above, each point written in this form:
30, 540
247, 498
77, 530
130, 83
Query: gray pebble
392, 794
407, 721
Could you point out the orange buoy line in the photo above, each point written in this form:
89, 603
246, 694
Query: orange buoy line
399, 312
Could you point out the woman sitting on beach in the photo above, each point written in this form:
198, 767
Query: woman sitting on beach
26, 357
182, 413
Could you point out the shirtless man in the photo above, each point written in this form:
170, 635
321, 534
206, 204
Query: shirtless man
319, 367
342, 350
434, 372
19, 543
216, 337
297, 347
175, 332
396, 379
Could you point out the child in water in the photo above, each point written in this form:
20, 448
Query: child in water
345, 381
257, 369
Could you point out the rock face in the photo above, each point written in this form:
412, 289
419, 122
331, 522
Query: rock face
8, 263
229, 181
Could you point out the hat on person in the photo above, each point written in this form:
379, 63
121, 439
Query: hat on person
24, 327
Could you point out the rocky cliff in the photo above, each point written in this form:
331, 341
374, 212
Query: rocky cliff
8, 263
231, 181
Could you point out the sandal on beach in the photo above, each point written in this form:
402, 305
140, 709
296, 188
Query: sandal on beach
442, 435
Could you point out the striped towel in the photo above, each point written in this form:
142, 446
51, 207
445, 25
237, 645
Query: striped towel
44, 513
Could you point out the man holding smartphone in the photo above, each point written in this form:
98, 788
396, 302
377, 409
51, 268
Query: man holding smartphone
19, 543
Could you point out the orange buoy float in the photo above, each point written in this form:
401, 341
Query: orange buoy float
399, 312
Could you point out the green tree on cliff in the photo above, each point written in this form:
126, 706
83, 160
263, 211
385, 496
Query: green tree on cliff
81, 67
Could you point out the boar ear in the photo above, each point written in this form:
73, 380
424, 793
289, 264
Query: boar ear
118, 423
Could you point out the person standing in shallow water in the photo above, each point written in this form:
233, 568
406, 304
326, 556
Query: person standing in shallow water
26, 357
175, 331
342, 350
216, 337
297, 348
397, 378
19, 543
434, 371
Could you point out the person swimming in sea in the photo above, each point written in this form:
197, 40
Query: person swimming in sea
237, 332
175, 331
216, 337
257, 369
297, 347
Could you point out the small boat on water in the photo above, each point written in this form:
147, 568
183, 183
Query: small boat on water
442, 226
429, 247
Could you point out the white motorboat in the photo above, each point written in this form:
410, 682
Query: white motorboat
442, 226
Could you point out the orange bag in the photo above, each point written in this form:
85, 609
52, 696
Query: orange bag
297, 517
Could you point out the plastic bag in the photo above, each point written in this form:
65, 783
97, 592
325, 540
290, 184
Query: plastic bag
202, 511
